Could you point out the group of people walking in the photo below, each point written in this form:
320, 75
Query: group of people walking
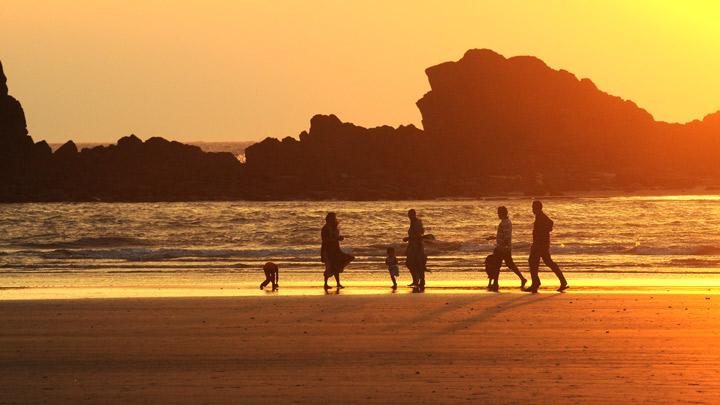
335, 260
539, 250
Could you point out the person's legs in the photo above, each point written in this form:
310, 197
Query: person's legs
337, 280
554, 267
392, 277
510, 263
495, 271
413, 263
495, 283
413, 274
327, 275
534, 264
422, 270
268, 279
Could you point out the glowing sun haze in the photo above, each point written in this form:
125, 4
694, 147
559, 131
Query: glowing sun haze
243, 70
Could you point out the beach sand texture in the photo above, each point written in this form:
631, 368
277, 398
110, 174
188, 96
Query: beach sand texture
445, 348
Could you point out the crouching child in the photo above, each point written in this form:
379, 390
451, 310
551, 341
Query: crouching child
272, 275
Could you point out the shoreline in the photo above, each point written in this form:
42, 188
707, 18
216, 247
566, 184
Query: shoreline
78, 285
700, 192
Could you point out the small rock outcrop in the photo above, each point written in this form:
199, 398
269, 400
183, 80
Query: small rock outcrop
132, 170
67, 151
336, 159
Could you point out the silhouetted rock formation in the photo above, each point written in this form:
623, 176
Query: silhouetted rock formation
517, 116
132, 170
496, 125
492, 124
22, 163
156, 169
338, 160
14, 142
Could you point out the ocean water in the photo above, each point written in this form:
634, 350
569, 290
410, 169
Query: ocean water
187, 245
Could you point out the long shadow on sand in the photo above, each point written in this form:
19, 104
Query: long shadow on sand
432, 315
492, 311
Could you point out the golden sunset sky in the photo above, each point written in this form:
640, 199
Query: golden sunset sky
216, 70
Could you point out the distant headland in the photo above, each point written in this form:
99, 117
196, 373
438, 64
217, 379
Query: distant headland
492, 125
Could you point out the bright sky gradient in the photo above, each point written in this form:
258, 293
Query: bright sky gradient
214, 70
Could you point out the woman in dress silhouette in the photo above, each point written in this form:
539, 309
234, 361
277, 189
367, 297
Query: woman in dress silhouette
330, 253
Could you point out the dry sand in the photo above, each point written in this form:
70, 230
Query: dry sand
420, 348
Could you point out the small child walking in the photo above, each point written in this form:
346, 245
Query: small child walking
272, 275
392, 263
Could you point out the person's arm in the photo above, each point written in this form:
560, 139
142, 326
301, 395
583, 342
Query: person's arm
496, 237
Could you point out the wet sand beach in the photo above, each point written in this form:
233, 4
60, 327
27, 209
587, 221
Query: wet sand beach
419, 348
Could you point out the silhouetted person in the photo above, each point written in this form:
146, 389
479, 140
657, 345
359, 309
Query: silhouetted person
330, 253
540, 249
416, 259
272, 275
503, 246
392, 262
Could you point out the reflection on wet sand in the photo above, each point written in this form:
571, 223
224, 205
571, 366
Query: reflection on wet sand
305, 289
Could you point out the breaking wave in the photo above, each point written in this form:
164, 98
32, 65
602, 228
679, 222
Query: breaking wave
143, 254
86, 242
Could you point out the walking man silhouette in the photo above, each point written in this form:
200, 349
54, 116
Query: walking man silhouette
416, 260
503, 246
540, 249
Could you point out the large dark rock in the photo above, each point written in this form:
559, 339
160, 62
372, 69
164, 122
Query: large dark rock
505, 116
17, 150
13, 128
517, 115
